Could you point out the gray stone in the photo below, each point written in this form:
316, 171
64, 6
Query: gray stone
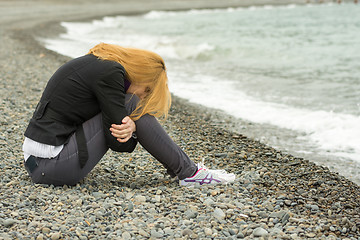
240, 235
140, 198
232, 231
40, 237
219, 214
126, 235
282, 216
9, 222
207, 231
190, 214
98, 194
187, 232
209, 202
314, 208
260, 232
143, 233
55, 236
169, 232
5, 236
156, 234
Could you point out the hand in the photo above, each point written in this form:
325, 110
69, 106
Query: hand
124, 131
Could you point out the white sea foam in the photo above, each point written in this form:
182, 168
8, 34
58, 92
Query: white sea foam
82, 36
333, 133
158, 14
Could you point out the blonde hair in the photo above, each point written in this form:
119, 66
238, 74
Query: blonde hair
143, 68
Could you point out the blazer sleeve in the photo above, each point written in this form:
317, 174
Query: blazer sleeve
110, 93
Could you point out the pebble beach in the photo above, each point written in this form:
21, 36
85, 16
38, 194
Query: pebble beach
130, 196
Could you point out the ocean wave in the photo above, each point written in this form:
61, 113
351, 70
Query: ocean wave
335, 133
164, 14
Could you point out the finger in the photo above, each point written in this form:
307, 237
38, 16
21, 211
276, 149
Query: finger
123, 129
121, 135
125, 119
118, 127
116, 130
123, 140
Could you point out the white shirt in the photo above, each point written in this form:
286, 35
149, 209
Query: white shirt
31, 147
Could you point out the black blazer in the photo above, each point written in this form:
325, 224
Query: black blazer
77, 91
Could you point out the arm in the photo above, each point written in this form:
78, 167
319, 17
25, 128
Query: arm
110, 93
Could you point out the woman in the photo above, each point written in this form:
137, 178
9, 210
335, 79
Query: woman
109, 98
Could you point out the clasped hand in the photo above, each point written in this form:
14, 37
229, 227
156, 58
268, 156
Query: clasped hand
124, 131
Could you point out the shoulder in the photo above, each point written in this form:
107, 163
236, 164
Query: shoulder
106, 63
112, 76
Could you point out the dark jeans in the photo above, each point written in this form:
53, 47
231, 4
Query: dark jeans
65, 168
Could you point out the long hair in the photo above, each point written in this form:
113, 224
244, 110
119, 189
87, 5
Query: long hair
143, 68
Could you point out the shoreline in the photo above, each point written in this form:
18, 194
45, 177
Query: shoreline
284, 195
347, 167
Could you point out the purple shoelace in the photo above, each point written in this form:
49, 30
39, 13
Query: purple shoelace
203, 180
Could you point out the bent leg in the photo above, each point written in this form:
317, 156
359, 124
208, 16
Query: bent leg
65, 168
158, 143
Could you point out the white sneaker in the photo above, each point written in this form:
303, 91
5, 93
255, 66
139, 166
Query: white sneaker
208, 176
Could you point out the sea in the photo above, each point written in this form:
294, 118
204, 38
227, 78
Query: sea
289, 76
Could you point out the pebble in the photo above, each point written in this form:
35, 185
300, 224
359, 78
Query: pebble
156, 234
126, 235
40, 237
55, 236
140, 199
260, 232
190, 214
219, 214
130, 196
9, 222
209, 202
187, 232
143, 233
208, 231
